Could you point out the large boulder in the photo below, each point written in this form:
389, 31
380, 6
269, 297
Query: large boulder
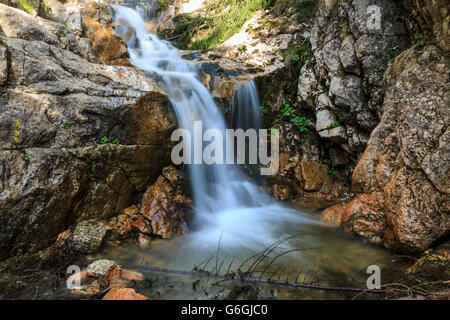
77, 141
407, 162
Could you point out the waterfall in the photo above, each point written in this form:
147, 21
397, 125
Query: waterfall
245, 107
225, 203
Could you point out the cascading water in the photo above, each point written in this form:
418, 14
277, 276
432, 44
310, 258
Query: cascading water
245, 112
227, 206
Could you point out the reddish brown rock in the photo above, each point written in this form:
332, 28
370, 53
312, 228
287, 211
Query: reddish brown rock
123, 294
315, 176
363, 216
166, 204
106, 43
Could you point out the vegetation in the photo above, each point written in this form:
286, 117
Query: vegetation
27, 7
333, 125
46, 10
219, 20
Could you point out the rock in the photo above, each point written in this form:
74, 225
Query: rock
337, 135
348, 58
347, 91
56, 108
131, 275
88, 236
123, 294
314, 175
167, 205
324, 118
16, 23
431, 266
397, 161
106, 43
432, 17
3, 64
307, 83
104, 271
361, 216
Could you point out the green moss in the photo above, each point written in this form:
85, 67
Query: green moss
2, 43
26, 6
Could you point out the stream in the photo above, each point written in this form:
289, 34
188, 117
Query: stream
234, 219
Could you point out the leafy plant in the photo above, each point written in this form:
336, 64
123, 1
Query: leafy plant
300, 122
116, 141
332, 171
287, 110
104, 140
26, 157
67, 126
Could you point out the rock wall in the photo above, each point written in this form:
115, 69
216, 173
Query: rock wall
78, 140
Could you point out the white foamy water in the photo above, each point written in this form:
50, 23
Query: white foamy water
227, 206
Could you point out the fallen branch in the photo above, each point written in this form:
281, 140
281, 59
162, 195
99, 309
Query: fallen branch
255, 280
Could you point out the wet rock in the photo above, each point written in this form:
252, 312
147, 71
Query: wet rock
131, 275
431, 266
123, 294
167, 205
88, 236
104, 271
362, 216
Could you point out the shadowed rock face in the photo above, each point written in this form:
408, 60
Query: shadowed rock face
77, 140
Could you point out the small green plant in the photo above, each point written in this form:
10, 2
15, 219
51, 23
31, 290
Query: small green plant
2, 43
421, 42
26, 157
67, 25
300, 122
116, 141
104, 140
262, 110
63, 65
341, 74
95, 143
287, 110
46, 10
67, 126
381, 68
333, 125
272, 129
296, 57
60, 33
333, 171
416, 168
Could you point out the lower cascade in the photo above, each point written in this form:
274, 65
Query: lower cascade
227, 206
